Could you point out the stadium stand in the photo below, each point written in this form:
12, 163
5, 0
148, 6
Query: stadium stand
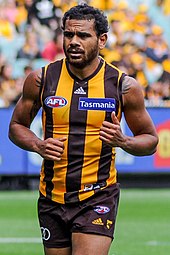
138, 39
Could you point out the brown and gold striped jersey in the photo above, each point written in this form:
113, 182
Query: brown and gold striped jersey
75, 109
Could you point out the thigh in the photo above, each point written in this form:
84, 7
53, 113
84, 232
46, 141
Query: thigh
85, 244
57, 251
54, 229
97, 215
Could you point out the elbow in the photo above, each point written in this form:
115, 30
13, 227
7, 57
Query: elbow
155, 142
151, 152
10, 136
10, 133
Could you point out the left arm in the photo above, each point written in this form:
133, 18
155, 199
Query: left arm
144, 139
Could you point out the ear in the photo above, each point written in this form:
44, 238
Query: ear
102, 41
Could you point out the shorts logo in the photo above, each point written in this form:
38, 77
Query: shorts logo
45, 233
97, 104
55, 102
101, 209
109, 224
98, 222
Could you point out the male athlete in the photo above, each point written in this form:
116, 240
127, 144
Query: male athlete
82, 98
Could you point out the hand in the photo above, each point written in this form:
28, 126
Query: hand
111, 133
51, 148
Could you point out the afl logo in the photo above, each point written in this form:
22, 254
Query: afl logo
102, 209
55, 102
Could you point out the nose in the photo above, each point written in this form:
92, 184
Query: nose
74, 40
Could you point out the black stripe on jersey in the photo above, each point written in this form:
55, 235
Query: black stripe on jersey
53, 75
76, 141
110, 87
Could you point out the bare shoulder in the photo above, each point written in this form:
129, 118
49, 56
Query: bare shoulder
135, 112
132, 92
29, 103
32, 84
130, 84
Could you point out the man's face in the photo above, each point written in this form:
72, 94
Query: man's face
80, 42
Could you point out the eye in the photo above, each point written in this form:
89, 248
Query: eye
68, 34
83, 35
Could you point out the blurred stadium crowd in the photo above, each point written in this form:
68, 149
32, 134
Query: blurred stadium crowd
30, 37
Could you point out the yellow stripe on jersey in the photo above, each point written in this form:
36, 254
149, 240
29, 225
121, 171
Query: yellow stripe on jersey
113, 173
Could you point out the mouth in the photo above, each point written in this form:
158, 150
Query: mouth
74, 53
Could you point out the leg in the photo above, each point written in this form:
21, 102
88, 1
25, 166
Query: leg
55, 235
57, 251
85, 244
98, 216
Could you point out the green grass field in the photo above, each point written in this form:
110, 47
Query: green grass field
143, 223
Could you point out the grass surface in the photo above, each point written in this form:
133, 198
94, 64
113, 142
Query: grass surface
143, 223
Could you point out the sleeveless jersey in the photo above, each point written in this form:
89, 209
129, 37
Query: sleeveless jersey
75, 109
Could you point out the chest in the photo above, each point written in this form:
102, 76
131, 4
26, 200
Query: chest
70, 101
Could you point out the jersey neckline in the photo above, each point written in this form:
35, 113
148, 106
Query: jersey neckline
90, 76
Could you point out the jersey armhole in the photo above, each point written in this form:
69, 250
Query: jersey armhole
42, 84
120, 90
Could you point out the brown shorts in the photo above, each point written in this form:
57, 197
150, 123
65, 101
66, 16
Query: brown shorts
95, 215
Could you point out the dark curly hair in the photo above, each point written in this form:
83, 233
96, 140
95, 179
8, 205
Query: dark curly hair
86, 12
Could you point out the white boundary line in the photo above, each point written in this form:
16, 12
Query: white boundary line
20, 240
39, 240
157, 243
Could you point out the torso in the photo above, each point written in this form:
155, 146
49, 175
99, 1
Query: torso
71, 108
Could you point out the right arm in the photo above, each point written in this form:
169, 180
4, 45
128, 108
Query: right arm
25, 111
144, 140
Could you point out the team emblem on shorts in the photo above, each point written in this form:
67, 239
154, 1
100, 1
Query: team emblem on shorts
109, 224
101, 209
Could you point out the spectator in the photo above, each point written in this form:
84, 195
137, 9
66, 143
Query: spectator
137, 64
28, 7
64, 5
115, 34
8, 87
21, 17
54, 49
44, 12
154, 94
27, 70
7, 28
103, 5
2, 60
156, 47
165, 5
10, 10
156, 52
19, 82
31, 47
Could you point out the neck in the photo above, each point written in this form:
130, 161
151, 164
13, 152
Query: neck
86, 71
